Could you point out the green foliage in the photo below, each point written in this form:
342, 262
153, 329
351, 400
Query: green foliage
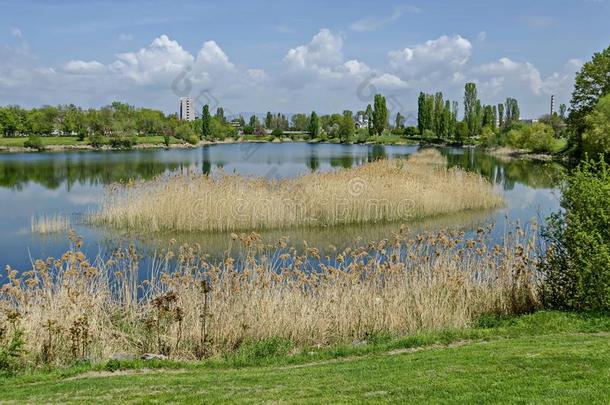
248, 130
34, 142
592, 83
346, 126
206, 118
122, 142
470, 108
257, 352
538, 137
277, 133
11, 349
461, 131
314, 125
96, 140
380, 114
577, 263
596, 139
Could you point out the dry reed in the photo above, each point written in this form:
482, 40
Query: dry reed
44, 224
385, 190
70, 308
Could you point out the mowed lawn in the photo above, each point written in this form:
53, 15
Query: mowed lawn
72, 140
568, 367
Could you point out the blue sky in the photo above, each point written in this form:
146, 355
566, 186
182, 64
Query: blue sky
294, 55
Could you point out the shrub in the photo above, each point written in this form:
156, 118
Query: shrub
277, 133
11, 349
96, 141
577, 262
34, 142
248, 130
411, 131
538, 137
122, 142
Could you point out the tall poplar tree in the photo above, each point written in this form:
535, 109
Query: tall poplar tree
380, 114
206, 130
470, 108
314, 125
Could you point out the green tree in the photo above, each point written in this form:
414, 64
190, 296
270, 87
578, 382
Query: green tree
400, 121
438, 114
369, 117
314, 125
421, 107
269, 120
501, 115
596, 139
591, 84
206, 120
562, 111
346, 127
380, 114
445, 121
300, 122
470, 108
576, 268
220, 115
511, 112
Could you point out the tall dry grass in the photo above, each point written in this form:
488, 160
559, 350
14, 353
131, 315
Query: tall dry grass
386, 190
44, 224
71, 308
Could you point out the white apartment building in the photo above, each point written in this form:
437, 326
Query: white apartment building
186, 111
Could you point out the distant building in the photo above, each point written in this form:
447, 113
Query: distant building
186, 111
362, 121
529, 121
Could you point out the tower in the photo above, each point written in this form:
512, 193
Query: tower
186, 112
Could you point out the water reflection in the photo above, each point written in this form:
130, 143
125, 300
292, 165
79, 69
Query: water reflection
72, 183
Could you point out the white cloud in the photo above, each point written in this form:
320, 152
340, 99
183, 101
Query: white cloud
482, 36
312, 75
373, 23
85, 68
518, 72
433, 64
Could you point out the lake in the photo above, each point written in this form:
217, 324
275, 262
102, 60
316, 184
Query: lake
72, 183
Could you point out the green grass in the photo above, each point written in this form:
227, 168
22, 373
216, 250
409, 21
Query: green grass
547, 357
73, 141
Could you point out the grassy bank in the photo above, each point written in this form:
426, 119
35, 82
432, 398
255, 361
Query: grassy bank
545, 357
72, 141
386, 190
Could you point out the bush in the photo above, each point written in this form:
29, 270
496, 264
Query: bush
577, 263
11, 350
96, 141
122, 142
411, 131
260, 351
538, 137
34, 142
248, 130
277, 133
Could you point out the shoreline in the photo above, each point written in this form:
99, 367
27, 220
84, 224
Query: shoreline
505, 152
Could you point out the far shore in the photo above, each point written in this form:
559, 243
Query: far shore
505, 152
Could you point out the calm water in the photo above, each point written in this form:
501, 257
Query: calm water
72, 183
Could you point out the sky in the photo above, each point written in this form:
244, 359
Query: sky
295, 56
